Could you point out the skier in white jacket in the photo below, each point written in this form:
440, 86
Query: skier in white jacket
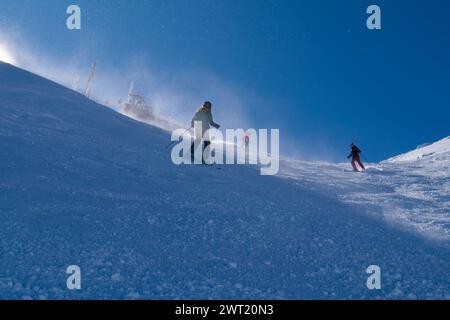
204, 116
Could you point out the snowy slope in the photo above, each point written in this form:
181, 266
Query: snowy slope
410, 196
411, 191
81, 184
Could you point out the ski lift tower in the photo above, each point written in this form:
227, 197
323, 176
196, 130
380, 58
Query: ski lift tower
88, 90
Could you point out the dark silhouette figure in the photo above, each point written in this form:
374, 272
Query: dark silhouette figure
356, 158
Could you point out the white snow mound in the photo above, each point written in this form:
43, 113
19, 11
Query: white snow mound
437, 150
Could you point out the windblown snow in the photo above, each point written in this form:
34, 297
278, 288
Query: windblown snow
83, 185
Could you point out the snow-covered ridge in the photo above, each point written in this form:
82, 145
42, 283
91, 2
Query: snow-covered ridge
439, 149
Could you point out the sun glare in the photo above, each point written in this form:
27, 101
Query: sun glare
5, 56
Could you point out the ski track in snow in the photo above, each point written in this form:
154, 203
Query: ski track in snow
81, 184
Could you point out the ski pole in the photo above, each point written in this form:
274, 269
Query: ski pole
173, 142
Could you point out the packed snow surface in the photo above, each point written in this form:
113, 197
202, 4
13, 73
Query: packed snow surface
83, 185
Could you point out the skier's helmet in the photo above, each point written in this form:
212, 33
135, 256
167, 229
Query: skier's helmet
207, 104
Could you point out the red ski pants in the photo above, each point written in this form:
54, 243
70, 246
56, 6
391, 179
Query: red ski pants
357, 160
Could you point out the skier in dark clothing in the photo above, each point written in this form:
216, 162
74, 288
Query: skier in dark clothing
204, 116
355, 155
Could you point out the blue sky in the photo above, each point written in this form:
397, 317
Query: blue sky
310, 68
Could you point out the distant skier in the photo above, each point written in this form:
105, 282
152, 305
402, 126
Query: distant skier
356, 158
246, 140
204, 116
